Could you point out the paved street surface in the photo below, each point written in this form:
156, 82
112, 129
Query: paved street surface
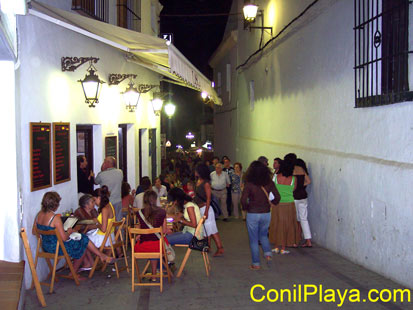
230, 282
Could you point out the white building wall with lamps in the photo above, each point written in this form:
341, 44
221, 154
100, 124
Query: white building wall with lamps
360, 160
45, 93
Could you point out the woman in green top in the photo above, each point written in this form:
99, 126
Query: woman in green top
283, 227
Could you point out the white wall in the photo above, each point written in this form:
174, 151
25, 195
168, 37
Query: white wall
10, 220
45, 93
361, 160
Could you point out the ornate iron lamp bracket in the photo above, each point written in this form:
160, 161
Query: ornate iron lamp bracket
144, 88
72, 63
116, 78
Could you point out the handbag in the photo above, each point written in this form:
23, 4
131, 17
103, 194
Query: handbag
170, 252
199, 244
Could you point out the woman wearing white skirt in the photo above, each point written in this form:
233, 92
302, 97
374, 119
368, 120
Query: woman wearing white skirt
106, 216
203, 200
300, 198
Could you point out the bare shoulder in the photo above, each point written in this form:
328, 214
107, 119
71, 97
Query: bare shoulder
298, 170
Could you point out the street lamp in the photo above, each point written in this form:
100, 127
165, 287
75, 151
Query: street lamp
170, 110
131, 97
157, 106
250, 12
189, 136
92, 86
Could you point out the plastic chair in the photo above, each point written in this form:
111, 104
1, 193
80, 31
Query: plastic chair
116, 243
188, 251
161, 255
55, 256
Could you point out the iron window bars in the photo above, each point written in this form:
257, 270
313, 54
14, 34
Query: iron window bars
381, 52
98, 9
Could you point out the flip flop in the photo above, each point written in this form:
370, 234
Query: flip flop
305, 246
252, 267
85, 268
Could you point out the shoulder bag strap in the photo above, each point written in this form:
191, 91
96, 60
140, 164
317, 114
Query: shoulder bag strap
148, 224
266, 194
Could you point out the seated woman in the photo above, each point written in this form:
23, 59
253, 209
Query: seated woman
156, 217
190, 217
47, 219
87, 211
127, 198
106, 215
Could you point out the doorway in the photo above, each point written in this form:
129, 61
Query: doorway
123, 158
84, 144
152, 152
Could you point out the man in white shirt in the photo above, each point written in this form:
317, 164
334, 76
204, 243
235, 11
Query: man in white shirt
112, 178
219, 183
145, 185
160, 189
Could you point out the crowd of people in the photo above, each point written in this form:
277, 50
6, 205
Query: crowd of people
273, 202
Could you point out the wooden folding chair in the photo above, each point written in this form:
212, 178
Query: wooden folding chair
114, 244
55, 256
36, 282
188, 251
161, 255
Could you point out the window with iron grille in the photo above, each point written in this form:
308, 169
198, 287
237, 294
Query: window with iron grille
97, 9
381, 52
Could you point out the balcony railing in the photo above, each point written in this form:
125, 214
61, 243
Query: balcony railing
97, 9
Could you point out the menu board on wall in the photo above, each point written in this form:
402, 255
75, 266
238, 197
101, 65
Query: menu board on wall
111, 146
40, 156
61, 152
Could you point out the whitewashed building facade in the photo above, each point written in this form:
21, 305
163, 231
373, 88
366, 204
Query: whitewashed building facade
298, 94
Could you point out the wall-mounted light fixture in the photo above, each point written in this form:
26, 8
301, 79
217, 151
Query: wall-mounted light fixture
132, 93
157, 103
170, 109
91, 84
250, 14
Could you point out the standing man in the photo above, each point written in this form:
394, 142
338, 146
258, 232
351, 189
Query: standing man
85, 176
112, 178
229, 170
219, 184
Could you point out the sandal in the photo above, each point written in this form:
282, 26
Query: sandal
252, 267
219, 252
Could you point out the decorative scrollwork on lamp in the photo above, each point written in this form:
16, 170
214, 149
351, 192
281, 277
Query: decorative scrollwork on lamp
72, 63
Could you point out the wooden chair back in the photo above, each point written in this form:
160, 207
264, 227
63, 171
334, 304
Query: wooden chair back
161, 255
114, 244
198, 234
55, 256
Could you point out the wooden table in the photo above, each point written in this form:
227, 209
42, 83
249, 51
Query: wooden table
11, 276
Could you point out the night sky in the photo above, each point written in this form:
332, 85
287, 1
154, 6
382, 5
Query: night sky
197, 37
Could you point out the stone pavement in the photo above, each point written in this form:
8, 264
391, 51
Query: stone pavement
230, 282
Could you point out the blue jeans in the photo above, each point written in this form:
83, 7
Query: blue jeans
179, 238
257, 225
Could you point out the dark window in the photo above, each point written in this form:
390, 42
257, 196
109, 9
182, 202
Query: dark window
93, 8
381, 52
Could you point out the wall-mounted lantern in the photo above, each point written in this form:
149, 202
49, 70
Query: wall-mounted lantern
91, 84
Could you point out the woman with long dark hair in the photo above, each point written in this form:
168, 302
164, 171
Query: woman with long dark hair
256, 202
106, 215
300, 199
203, 200
189, 216
156, 217
283, 228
